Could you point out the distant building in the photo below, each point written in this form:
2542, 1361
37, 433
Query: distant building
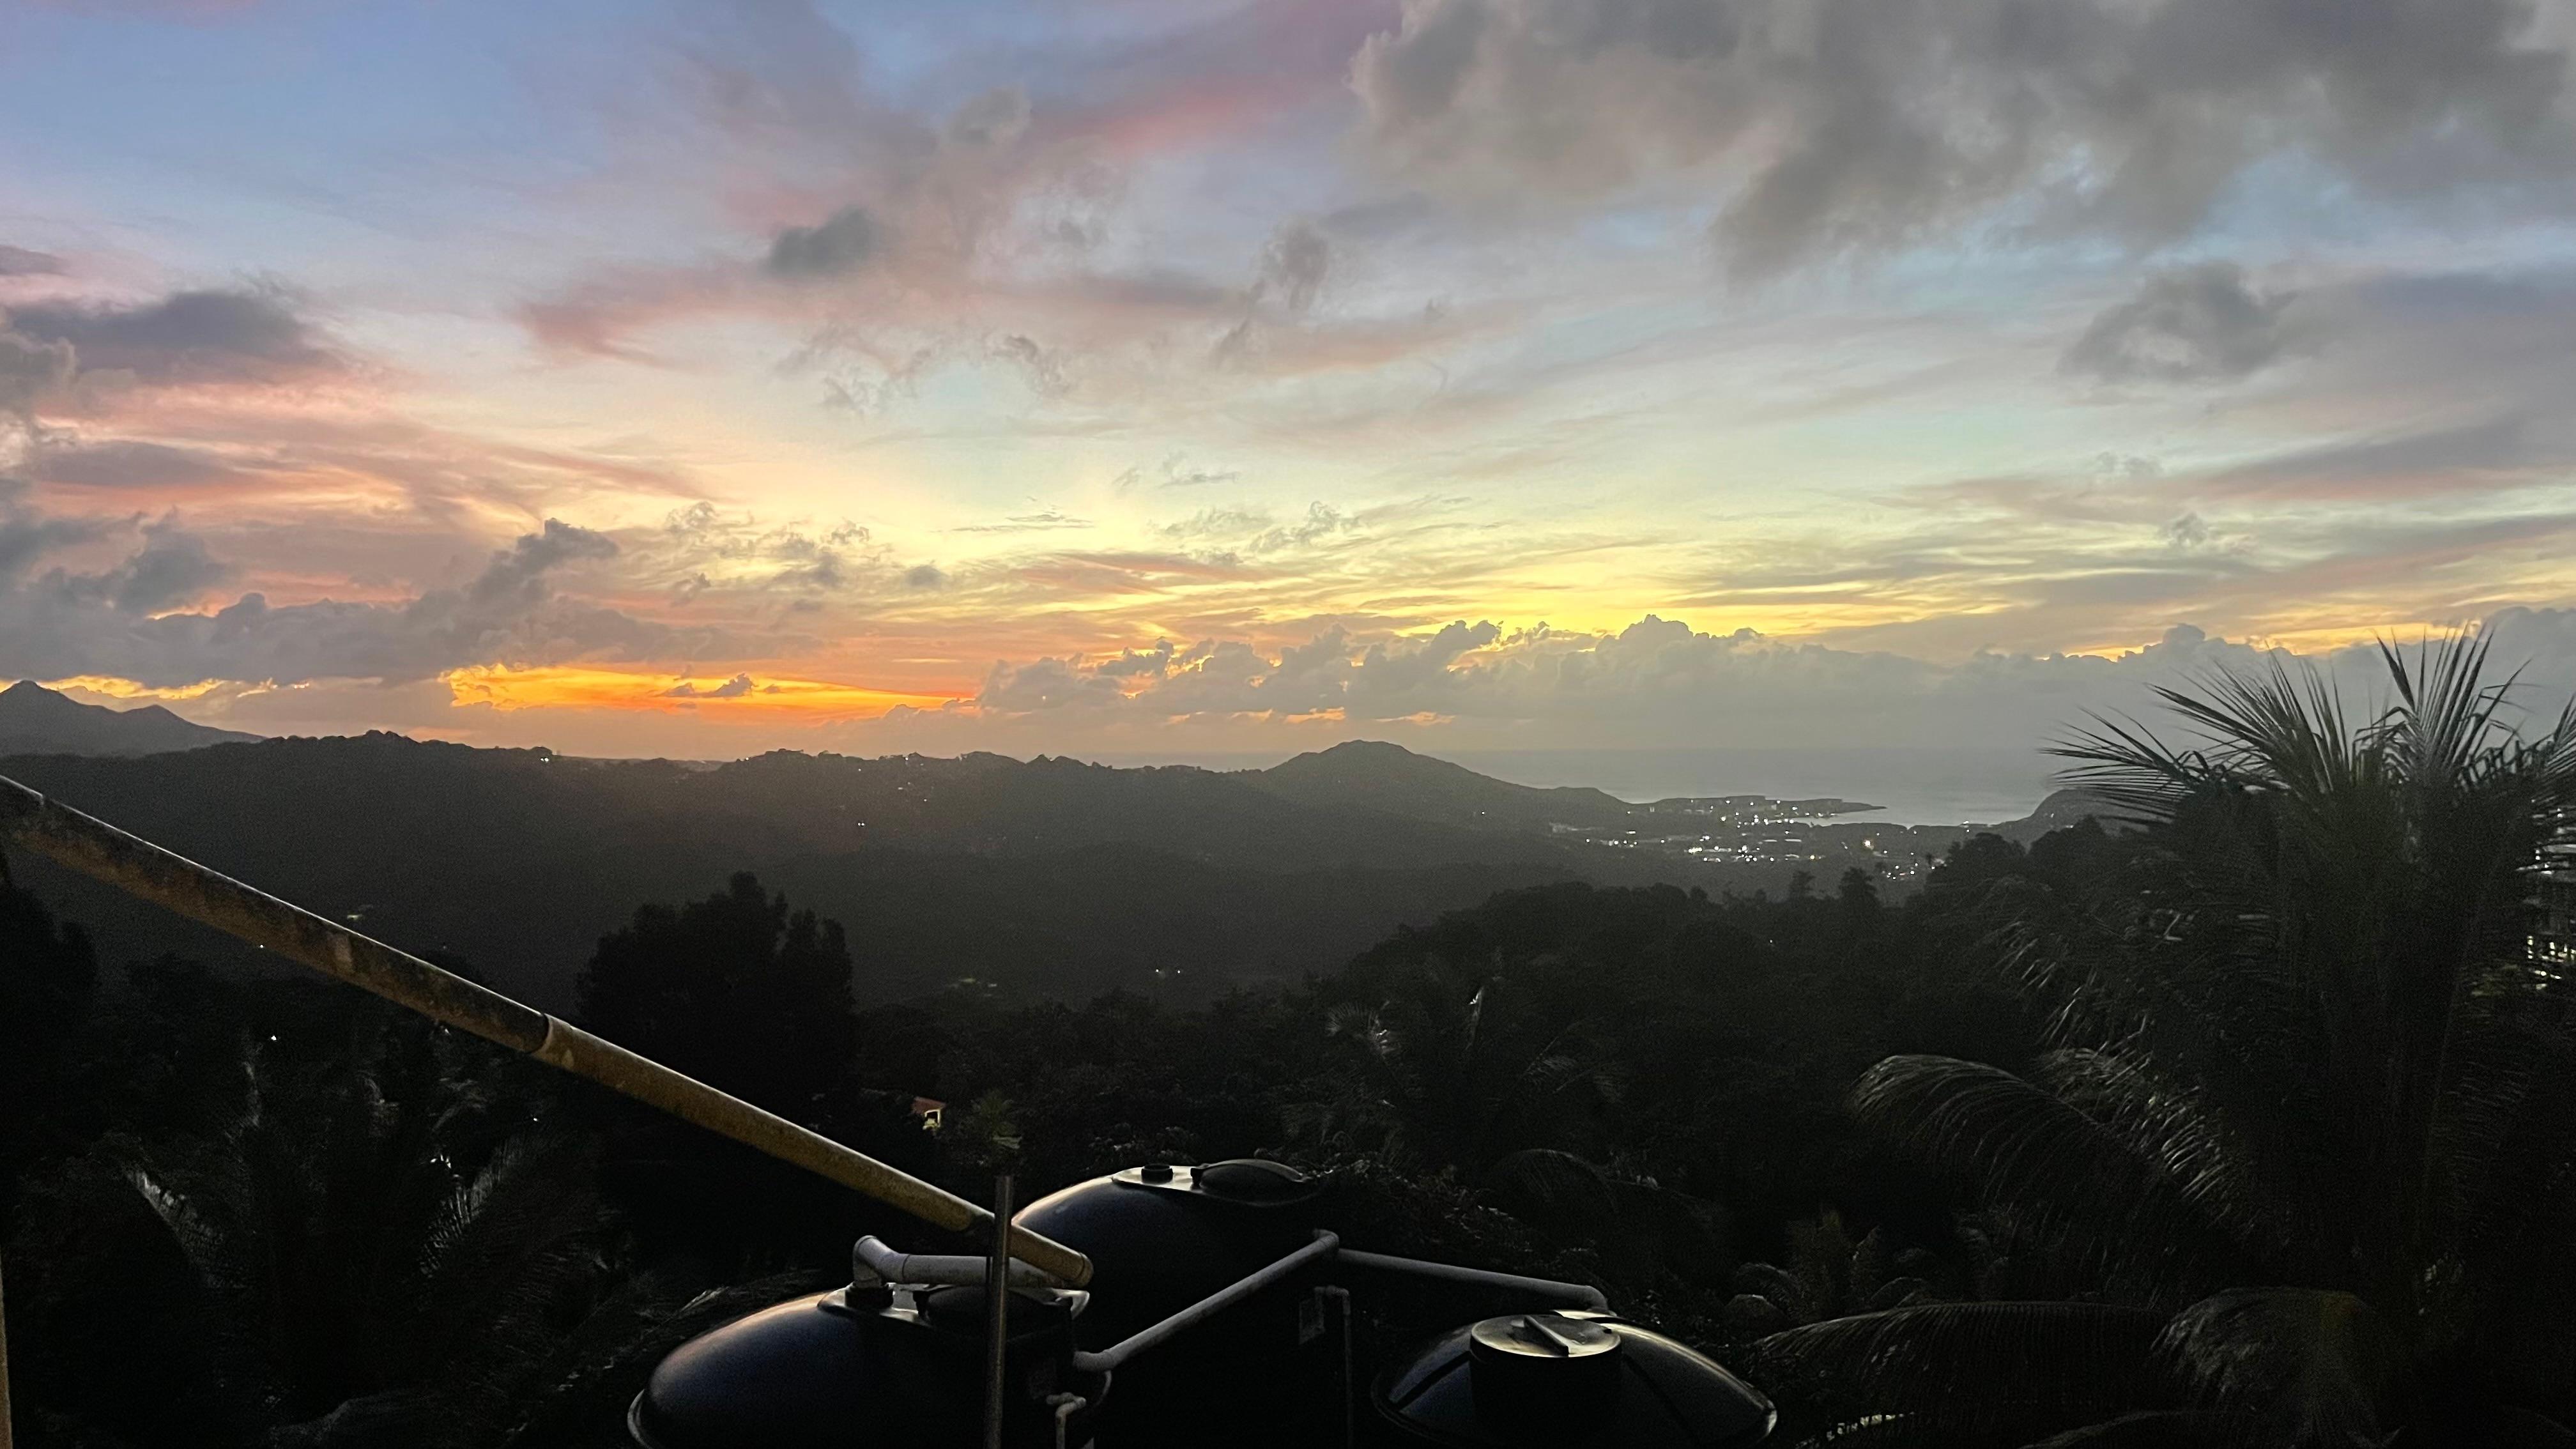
2553, 940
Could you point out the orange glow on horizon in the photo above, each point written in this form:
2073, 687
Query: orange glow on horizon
114, 688
567, 687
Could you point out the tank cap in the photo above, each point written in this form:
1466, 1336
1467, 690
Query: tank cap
1539, 1339
1542, 1373
1254, 1179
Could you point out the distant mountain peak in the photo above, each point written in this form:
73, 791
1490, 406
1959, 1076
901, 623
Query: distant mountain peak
1365, 747
35, 720
1381, 776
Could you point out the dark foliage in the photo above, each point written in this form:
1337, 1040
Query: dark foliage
2308, 1109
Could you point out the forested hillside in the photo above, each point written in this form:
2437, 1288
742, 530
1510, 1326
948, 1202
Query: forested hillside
1047, 877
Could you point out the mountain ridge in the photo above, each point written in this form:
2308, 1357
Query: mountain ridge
35, 720
1048, 876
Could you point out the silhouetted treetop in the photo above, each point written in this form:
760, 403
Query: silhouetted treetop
736, 990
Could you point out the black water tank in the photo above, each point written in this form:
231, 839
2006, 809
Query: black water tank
1568, 1380
824, 1371
1162, 1237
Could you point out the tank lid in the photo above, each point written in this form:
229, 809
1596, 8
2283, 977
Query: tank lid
1540, 1340
1551, 1379
1250, 1181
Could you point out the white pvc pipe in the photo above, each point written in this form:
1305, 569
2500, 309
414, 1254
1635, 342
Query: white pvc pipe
1582, 1293
1111, 1357
870, 1258
1065, 1406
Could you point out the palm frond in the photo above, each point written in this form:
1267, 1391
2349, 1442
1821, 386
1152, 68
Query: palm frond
2316, 1367
2177, 1129
2155, 1429
2032, 1149
1967, 1368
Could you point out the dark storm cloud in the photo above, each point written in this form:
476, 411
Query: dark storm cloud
2189, 324
192, 337
849, 240
1862, 123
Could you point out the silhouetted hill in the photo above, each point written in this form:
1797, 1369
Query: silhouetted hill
2062, 808
35, 720
1376, 776
1051, 877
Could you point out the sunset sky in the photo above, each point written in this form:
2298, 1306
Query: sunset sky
1189, 375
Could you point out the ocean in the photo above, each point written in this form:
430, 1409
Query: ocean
1913, 786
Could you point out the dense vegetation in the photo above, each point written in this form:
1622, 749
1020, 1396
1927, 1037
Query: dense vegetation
2247, 1123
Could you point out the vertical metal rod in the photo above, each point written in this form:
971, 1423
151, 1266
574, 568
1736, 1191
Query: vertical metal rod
997, 1311
4, 1367
1340, 1298
1350, 1380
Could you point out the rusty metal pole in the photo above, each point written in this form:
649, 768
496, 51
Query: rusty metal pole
997, 1315
141, 868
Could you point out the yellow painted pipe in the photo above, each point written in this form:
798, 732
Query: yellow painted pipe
141, 868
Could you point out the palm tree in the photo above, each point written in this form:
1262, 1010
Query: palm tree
2308, 1135
1459, 1065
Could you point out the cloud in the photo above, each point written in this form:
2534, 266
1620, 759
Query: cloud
1047, 685
926, 577
998, 117
1657, 683
243, 337
701, 550
31, 368
20, 262
107, 622
1830, 126
142, 466
734, 688
849, 240
1044, 520
2188, 324
2483, 454
1294, 266
172, 568
1000, 235
1174, 472
26, 537
1138, 663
